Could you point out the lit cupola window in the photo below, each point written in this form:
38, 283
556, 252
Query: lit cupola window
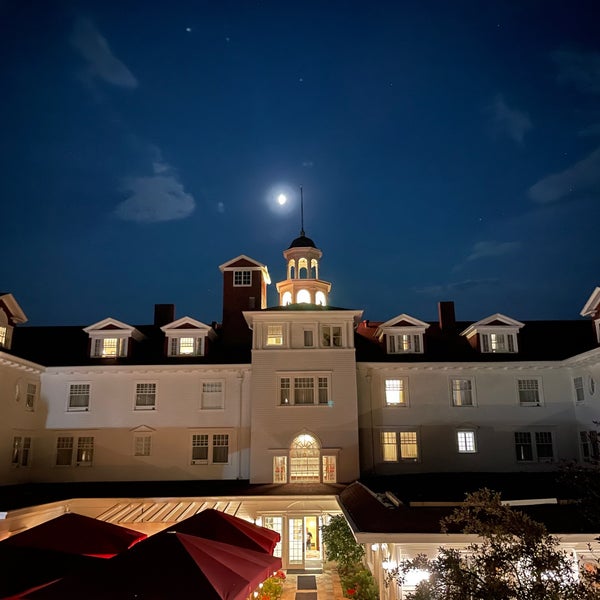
303, 297
286, 299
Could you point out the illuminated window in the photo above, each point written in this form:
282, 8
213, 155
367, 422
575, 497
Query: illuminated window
110, 347
242, 278
329, 469
21, 449
331, 336
280, 469
498, 342
303, 297
286, 299
389, 446
274, 335
142, 445
212, 395
145, 396
79, 397
408, 445
305, 455
395, 392
466, 441
85, 451
578, 385
404, 343
304, 390
462, 392
3, 336
320, 299
529, 392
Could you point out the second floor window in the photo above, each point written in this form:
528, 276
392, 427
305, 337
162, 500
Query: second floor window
31, 396
79, 397
399, 446
21, 450
304, 390
212, 395
274, 335
529, 392
578, 386
331, 336
395, 392
145, 396
462, 392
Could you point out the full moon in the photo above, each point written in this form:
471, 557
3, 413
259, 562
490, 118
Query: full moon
282, 199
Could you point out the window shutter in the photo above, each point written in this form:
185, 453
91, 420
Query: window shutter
417, 343
511, 343
485, 344
97, 347
174, 346
392, 344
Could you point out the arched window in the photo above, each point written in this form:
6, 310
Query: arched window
286, 299
320, 299
303, 297
314, 268
291, 269
302, 269
305, 455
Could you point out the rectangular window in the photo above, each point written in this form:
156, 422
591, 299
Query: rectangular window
389, 446
79, 397
529, 392
220, 448
212, 395
280, 469
31, 396
395, 394
590, 448
274, 335
329, 469
331, 336
498, 342
304, 390
185, 346
528, 451
242, 278
466, 442
543, 446
85, 451
578, 385
408, 445
145, 396
323, 390
308, 338
142, 445
276, 524
64, 451
3, 336
462, 392
109, 347
200, 448
523, 446
404, 343
284, 390
21, 451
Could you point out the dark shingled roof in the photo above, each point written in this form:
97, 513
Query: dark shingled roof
371, 513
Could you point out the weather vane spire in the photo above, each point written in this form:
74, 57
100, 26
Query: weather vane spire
301, 212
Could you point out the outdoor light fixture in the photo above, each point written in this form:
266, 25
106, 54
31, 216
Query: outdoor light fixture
389, 564
413, 577
374, 547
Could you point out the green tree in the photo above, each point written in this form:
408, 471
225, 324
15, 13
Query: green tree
340, 544
515, 559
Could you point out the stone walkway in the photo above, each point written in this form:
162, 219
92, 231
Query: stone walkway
328, 586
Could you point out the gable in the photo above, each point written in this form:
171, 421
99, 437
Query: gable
12, 309
592, 306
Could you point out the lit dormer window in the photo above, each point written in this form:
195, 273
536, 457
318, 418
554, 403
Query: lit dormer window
111, 338
402, 335
3, 336
497, 334
274, 335
10, 315
187, 337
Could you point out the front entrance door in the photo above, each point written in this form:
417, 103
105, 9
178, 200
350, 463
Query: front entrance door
305, 547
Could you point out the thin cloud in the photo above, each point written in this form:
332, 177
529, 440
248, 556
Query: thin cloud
492, 249
581, 178
155, 198
102, 64
457, 286
508, 121
579, 68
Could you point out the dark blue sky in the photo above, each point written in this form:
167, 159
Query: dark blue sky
447, 151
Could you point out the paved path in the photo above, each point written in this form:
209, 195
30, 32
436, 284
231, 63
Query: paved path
328, 586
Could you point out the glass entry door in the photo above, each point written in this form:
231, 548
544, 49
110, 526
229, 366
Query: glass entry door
305, 547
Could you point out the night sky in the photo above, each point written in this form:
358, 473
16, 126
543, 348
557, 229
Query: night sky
447, 150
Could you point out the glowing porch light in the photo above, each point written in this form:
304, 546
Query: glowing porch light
415, 576
374, 547
389, 564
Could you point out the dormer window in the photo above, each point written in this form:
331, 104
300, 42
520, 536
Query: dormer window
187, 337
111, 338
497, 334
3, 336
402, 335
10, 315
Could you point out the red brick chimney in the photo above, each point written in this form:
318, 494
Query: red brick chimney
446, 316
163, 314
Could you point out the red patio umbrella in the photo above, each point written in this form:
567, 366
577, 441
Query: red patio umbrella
73, 533
217, 525
169, 565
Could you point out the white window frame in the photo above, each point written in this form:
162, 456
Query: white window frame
280, 469
534, 445
174, 344
212, 395
73, 393
143, 389
523, 384
490, 342
142, 444
80, 450
274, 335
21, 451
578, 389
405, 442
242, 278
589, 446
466, 441
395, 387
457, 392
328, 335
211, 441
308, 338
287, 388
99, 348
405, 343
3, 336
32, 390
